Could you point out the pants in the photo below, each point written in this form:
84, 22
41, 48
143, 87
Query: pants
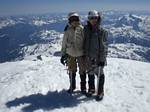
93, 70
72, 64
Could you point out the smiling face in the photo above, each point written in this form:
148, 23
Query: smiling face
74, 21
93, 20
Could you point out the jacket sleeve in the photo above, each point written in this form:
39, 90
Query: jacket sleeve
104, 50
64, 43
105, 41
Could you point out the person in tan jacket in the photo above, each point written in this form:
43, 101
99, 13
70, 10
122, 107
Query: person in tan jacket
72, 52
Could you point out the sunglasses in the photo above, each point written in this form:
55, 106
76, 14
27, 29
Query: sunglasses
94, 17
74, 19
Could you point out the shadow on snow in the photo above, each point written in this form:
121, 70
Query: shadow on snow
50, 101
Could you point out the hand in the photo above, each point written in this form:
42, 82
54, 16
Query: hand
101, 64
63, 59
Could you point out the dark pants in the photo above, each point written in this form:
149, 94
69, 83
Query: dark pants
92, 69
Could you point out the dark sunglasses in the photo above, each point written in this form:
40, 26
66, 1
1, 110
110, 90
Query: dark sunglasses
93, 17
74, 18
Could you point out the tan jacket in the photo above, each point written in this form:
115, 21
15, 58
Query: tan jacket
72, 43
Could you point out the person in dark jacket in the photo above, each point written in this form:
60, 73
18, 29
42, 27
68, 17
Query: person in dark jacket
95, 49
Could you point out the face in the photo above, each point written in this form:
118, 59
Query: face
75, 23
93, 20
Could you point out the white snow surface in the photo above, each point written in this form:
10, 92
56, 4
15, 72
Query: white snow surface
42, 22
7, 22
39, 86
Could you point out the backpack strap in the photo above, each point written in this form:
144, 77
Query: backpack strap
66, 27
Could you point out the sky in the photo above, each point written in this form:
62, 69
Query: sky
13, 7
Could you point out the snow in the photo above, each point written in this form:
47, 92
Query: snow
34, 85
3, 35
41, 22
129, 25
126, 31
40, 85
6, 22
53, 41
145, 24
123, 27
127, 51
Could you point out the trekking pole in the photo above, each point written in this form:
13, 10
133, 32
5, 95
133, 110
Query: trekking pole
98, 77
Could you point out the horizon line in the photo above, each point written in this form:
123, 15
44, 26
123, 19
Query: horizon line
56, 12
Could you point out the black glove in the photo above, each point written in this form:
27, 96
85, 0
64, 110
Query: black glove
101, 64
63, 59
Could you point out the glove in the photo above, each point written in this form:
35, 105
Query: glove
63, 59
101, 64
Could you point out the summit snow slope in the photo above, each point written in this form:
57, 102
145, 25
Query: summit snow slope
32, 85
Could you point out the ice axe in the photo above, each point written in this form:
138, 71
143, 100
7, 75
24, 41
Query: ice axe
100, 71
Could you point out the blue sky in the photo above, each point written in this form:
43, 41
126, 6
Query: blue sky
11, 7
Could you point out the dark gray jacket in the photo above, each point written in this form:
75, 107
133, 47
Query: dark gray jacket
95, 43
